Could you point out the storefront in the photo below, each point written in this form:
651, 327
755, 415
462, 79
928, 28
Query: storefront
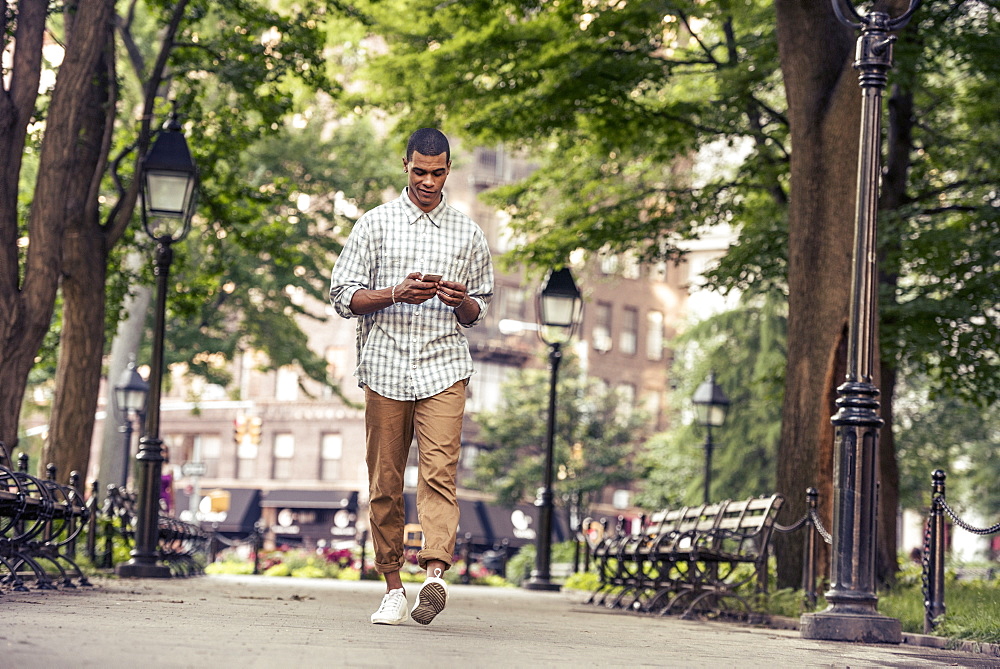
232, 512
309, 518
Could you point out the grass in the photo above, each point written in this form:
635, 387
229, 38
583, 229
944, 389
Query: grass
972, 607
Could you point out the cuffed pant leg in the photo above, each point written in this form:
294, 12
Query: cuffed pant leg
438, 422
389, 431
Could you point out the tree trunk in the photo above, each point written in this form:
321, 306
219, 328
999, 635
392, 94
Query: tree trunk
824, 105
21, 326
85, 250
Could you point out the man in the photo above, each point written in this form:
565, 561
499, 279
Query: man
414, 270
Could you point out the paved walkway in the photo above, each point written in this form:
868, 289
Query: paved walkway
257, 622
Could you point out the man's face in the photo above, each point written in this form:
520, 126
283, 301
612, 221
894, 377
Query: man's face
427, 177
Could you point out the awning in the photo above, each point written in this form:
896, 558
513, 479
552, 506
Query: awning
310, 499
243, 513
489, 524
472, 521
519, 525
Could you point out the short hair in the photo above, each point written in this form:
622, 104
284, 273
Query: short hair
429, 142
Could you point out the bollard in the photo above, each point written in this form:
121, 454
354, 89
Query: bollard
466, 578
258, 541
50, 475
74, 494
109, 528
934, 563
95, 486
809, 551
576, 552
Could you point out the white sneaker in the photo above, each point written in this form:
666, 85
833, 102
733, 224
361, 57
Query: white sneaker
392, 610
431, 598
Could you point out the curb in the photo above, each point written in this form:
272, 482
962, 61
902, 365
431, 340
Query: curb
918, 640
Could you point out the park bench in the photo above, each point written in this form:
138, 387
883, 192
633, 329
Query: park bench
40, 520
688, 560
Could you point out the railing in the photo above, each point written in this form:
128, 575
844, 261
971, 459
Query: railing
932, 560
181, 545
813, 529
255, 541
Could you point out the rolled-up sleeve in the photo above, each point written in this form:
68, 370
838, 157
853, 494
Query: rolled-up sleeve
352, 271
480, 286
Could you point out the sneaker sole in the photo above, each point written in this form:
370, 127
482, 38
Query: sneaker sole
389, 622
430, 602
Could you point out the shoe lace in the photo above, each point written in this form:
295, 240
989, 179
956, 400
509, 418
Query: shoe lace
390, 600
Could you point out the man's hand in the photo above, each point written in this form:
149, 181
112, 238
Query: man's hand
455, 295
411, 291
451, 293
415, 291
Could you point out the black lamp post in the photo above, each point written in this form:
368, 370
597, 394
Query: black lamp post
852, 614
130, 405
169, 182
559, 309
710, 407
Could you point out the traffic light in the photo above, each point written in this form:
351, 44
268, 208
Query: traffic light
239, 428
253, 429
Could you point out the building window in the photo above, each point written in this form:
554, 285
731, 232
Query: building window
515, 304
488, 159
331, 451
609, 263
631, 269
485, 387
651, 405
246, 460
654, 335
287, 385
630, 331
658, 272
468, 457
602, 327
211, 449
284, 451
626, 400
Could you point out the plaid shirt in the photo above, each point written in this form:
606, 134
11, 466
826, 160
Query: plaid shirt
412, 351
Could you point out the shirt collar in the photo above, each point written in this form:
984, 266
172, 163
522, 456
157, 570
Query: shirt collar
414, 212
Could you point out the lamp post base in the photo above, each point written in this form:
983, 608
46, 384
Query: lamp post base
860, 627
535, 583
133, 569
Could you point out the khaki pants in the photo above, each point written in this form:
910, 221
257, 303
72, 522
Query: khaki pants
390, 425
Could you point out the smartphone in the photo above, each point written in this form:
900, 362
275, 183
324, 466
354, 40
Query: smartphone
433, 278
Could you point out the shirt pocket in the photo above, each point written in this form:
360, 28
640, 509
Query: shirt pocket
453, 268
389, 272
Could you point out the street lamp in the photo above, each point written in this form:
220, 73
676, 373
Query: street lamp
559, 309
852, 614
130, 405
167, 190
710, 407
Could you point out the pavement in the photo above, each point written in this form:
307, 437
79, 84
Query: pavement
250, 622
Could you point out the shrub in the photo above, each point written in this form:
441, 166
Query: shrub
310, 571
280, 569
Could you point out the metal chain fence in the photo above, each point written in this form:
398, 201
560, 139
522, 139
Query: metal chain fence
932, 560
